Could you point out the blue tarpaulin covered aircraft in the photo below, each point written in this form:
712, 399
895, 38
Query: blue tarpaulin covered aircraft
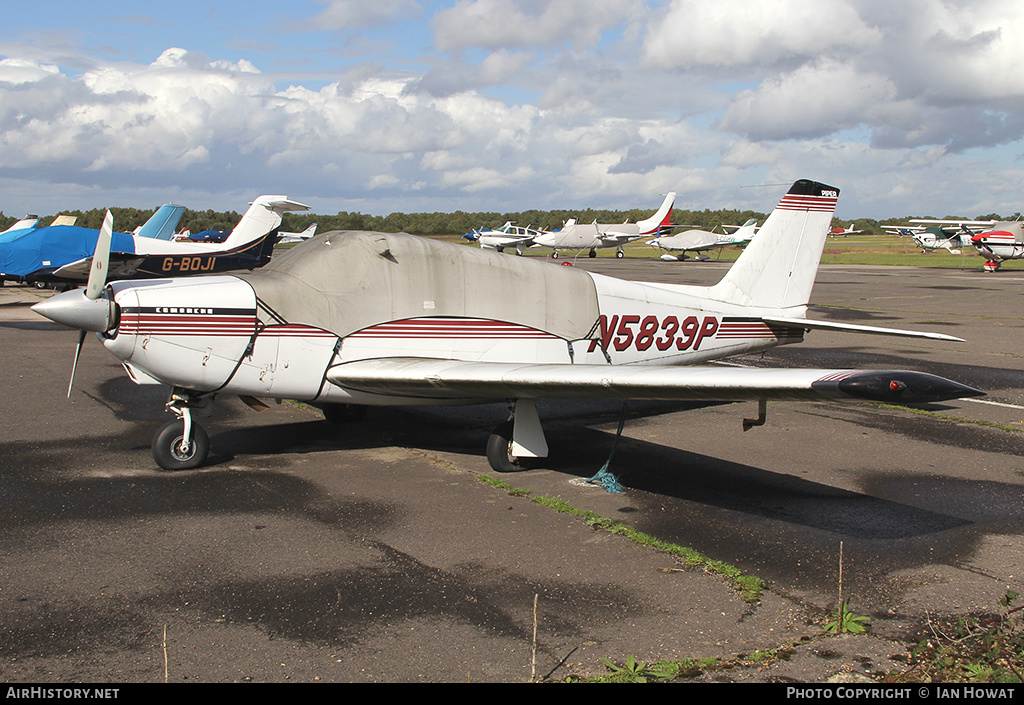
63, 253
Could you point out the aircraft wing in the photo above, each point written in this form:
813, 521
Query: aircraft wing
688, 241
121, 265
506, 240
612, 237
954, 223
454, 379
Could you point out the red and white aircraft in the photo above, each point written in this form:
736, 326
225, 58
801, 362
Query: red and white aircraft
1001, 242
845, 231
353, 319
578, 237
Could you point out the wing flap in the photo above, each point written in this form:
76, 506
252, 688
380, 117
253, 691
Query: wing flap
453, 379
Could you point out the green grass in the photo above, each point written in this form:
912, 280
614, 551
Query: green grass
749, 586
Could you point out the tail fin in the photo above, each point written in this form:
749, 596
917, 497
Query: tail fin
161, 224
745, 231
778, 267
263, 216
650, 226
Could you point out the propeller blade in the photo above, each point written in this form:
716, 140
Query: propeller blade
100, 260
74, 366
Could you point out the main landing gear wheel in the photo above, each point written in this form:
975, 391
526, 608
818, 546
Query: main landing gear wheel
499, 450
593, 253
169, 453
619, 254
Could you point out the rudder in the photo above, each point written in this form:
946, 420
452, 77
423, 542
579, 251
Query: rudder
777, 268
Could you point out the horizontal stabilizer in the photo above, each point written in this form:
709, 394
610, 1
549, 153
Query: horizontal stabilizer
453, 379
807, 324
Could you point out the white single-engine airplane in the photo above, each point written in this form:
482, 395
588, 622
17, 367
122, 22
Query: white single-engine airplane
994, 240
354, 319
578, 237
701, 241
508, 235
951, 235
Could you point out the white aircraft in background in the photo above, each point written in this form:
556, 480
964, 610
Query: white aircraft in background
286, 238
929, 235
952, 235
353, 319
701, 241
508, 235
996, 241
578, 237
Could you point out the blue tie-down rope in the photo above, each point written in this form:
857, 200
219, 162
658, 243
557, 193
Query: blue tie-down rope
603, 476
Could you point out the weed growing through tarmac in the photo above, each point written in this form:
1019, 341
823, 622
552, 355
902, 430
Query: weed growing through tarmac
846, 622
749, 586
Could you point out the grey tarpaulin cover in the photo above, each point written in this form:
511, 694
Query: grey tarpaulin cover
343, 281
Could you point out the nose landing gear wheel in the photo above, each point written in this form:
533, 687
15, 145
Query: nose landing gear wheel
167, 447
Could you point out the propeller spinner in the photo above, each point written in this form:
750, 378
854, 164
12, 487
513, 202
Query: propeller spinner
88, 309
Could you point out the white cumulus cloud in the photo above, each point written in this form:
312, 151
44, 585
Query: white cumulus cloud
697, 33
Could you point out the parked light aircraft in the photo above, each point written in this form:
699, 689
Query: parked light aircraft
309, 232
845, 231
929, 234
508, 235
63, 254
31, 253
1001, 242
29, 222
222, 235
353, 319
940, 239
578, 237
701, 241
948, 234
996, 241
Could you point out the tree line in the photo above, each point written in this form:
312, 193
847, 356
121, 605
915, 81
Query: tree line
456, 223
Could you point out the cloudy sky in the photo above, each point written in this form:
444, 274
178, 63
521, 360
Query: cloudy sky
911, 108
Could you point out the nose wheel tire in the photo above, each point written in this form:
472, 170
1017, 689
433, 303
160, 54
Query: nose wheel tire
499, 450
167, 450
